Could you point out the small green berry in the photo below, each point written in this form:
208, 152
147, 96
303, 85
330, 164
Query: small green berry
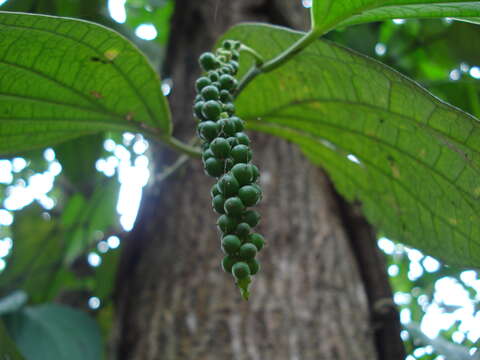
211, 109
227, 44
235, 55
231, 244
242, 138
229, 108
240, 270
225, 96
243, 230
256, 172
254, 266
213, 76
207, 154
235, 66
227, 224
239, 124
227, 263
243, 173
251, 217
202, 82
227, 82
226, 127
233, 141
197, 110
214, 191
234, 207
228, 185
208, 61
220, 148
249, 195
257, 240
208, 130
218, 203
248, 251
214, 167
210, 92
229, 163
241, 154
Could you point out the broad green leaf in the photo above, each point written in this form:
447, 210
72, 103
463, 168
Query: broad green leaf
329, 14
57, 332
410, 159
8, 350
458, 11
61, 78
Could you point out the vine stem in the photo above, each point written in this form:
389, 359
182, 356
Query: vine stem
182, 147
279, 60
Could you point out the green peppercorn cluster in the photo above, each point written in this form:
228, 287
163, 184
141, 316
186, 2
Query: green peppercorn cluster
227, 157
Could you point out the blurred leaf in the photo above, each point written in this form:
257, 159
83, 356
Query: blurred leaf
329, 14
8, 349
98, 214
12, 302
78, 158
62, 78
159, 15
37, 253
18, 5
105, 275
412, 160
50, 331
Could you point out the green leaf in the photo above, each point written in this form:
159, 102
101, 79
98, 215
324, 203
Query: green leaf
57, 332
8, 350
36, 255
62, 78
329, 14
418, 167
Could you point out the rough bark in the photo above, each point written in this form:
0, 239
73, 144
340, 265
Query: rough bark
309, 300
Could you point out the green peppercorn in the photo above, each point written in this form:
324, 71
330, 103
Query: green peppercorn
228, 185
243, 173
202, 82
231, 244
249, 195
229, 163
234, 64
243, 230
227, 128
257, 240
253, 264
227, 263
218, 203
208, 130
213, 76
197, 110
256, 172
214, 191
227, 82
207, 154
239, 124
211, 109
235, 55
240, 270
229, 108
208, 61
234, 207
233, 141
248, 251
242, 138
241, 154
220, 147
251, 217
227, 224
210, 92
225, 96
227, 44
214, 167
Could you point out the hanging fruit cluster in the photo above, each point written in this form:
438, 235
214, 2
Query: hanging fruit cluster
226, 156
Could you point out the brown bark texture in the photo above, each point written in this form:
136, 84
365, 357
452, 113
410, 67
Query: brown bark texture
312, 298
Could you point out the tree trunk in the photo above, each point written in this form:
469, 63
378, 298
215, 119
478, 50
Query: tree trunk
322, 278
